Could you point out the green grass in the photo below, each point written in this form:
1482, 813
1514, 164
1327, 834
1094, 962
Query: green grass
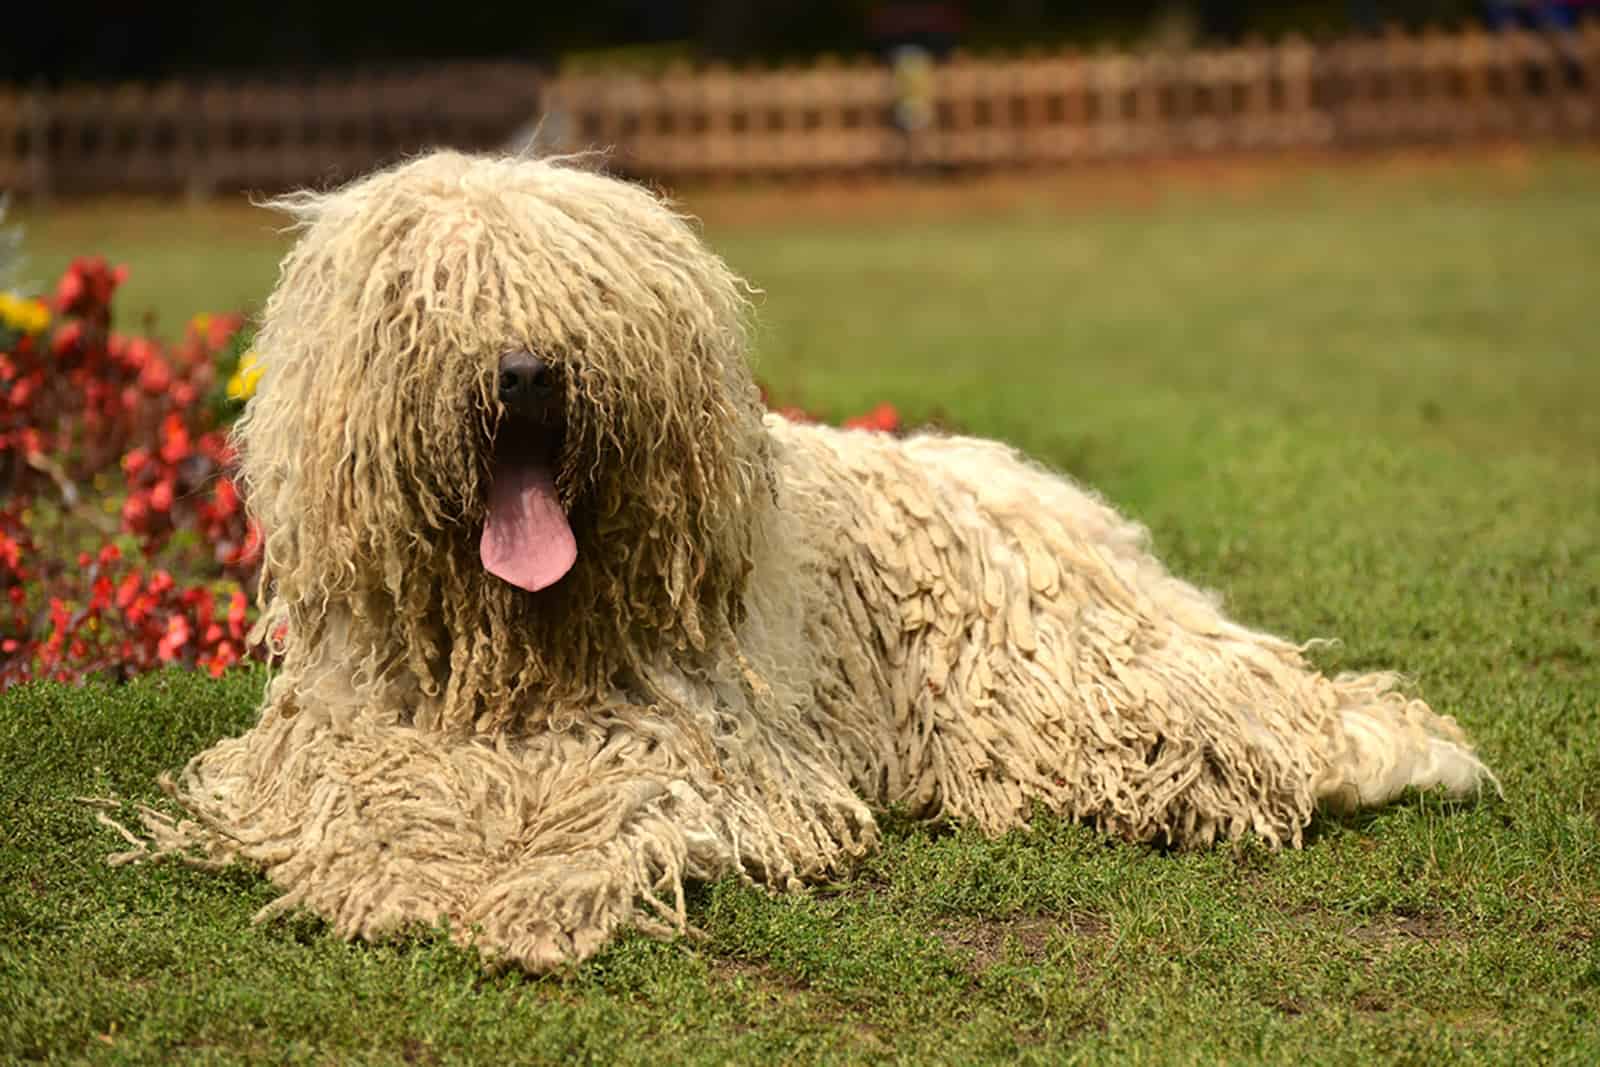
1358, 406
181, 259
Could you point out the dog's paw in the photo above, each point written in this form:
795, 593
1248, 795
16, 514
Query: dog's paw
549, 915
544, 946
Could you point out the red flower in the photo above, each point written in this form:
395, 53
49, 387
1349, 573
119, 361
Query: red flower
100, 598
176, 637
200, 601
135, 510
225, 498
66, 338
156, 376
174, 439
139, 352
883, 418
87, 286
70, 289
224, 657
236, 613
161, 495
249, 552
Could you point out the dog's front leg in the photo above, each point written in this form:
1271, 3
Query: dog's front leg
612, 826
602, 853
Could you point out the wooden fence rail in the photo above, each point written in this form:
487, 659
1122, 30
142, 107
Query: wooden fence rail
828, 118
1396, 89
207, 137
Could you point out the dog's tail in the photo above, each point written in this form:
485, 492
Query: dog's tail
1393, 744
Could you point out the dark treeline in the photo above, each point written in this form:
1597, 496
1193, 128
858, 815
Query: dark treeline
101, 41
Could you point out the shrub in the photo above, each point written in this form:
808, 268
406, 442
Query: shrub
123, 542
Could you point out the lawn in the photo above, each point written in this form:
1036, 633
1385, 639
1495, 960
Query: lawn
1361, 402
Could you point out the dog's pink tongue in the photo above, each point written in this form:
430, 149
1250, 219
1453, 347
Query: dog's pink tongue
526, 539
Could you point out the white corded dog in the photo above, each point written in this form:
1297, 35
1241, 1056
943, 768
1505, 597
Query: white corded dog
564, 619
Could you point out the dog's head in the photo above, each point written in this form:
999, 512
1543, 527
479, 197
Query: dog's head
506, 421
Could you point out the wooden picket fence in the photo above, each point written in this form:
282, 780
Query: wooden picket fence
1052, 109
215, 136
831, 117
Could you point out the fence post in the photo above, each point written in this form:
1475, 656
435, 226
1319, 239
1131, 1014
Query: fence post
721, 153
1482, 110
1302, 126
1588, 60
1109, 79
955, 110
1148, 132
1074, 139
36, 120
1253, 70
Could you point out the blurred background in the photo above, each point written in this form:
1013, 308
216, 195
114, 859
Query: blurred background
178, 100
861, 106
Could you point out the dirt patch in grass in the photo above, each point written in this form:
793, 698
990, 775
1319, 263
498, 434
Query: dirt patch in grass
1406, 929
860, 886
413, 1050
768, 979
1569, 660
1366, 1003
1383, 931
988, 940
794, 998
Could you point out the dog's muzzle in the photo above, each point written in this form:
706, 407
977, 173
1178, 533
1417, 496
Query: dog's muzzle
526, 539
527, 388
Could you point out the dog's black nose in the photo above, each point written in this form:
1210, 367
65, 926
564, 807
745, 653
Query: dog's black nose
524, 379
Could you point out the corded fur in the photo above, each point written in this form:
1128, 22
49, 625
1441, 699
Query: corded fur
771, 630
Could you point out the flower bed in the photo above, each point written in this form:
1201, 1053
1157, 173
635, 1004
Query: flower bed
123, 542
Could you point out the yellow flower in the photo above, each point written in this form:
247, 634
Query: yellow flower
242, 385
24, 316
38, 316
200, 324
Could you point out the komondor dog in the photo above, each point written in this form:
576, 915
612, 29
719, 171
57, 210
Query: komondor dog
563, 620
